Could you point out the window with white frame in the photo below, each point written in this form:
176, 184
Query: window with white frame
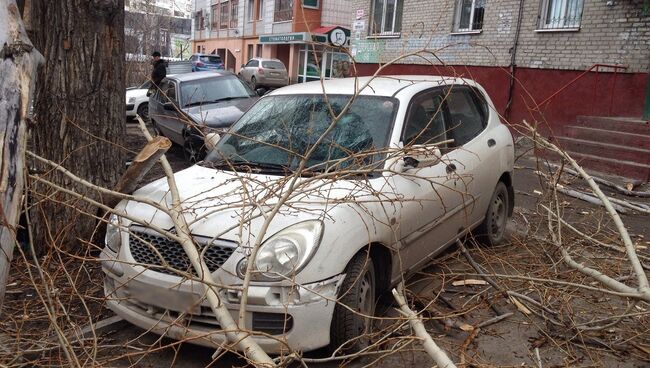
560, 14
386, 17
469, 15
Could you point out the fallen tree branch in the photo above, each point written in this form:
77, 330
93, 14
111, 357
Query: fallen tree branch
643, 291
438, 355
233, 333
607, 183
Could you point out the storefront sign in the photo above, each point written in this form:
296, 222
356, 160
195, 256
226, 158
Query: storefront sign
310, 3
300, 37
338, 37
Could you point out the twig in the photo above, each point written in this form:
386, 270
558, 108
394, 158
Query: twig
437, 354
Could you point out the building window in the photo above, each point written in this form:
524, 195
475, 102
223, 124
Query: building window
259, 50
234, 11
560, 14
199, 20
386, 17
223, 23
469, 15
251, 10
249, 52
283, 10
260, 9
215, 17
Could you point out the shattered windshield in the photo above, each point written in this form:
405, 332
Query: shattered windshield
278, 131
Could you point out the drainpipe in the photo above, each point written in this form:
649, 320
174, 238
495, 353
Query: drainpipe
513, 62
646, 110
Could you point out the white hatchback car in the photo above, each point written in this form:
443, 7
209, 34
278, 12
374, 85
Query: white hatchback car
413, 164
137, 101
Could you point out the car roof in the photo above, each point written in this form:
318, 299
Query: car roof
388, 85
185, 77
264, 59
201, 54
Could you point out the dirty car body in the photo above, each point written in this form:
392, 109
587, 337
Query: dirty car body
187, 106
411, 166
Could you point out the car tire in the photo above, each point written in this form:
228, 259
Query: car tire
492, 230
143, 111
350, 330
191, 152
253, 83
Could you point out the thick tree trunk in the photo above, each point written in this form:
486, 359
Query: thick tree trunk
79, 111
18, 63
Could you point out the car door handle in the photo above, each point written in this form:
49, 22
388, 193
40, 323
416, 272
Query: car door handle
491, 142
450, 168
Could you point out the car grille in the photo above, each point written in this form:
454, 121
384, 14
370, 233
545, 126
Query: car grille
144, 241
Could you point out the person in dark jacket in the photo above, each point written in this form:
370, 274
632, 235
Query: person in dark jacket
159, 71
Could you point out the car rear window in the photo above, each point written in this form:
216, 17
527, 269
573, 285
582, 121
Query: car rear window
211, 59
272, 65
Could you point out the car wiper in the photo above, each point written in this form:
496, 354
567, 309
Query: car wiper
255, 166
227, 99
197, 103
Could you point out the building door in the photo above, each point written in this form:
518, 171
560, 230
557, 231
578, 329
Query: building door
249, 54
282, 52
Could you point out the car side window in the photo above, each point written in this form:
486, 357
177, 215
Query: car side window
467, 115
170, 91
425, 122
252, 64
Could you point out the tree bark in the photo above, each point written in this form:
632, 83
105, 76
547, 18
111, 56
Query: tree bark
18, 63
79, 111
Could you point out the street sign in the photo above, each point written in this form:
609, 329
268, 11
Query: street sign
358, 25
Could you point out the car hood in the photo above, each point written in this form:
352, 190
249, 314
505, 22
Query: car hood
221, 114
214, 200
136, 93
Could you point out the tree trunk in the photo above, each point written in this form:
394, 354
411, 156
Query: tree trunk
79, 111
18, 63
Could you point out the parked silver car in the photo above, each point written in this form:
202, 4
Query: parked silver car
413, 164
260, 72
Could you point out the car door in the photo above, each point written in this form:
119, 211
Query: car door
468, 156
249, 70
426, 194
169, 122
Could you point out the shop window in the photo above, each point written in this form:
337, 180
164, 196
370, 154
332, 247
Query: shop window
223, 23
259, 50
283, 10
386, 17
249, 52
469, 15
560, 14
234, 13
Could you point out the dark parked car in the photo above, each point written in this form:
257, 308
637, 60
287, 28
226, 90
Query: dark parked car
203, 62
188, 106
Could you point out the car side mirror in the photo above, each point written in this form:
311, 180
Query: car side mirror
260, 91
243, 66
169, 106
420, 157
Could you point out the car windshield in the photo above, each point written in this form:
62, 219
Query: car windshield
272, 65
213, 89
278, 130
145, 85
210, 59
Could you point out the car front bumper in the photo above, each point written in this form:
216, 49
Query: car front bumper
297, 317
130, 109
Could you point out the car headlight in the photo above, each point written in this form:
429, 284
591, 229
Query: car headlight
287, 251
131, 100
113, 237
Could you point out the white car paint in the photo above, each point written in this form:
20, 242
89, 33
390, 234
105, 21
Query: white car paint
136, 97
407, 219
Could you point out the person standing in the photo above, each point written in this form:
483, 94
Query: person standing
159, 71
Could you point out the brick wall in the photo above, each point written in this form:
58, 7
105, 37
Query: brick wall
608, 34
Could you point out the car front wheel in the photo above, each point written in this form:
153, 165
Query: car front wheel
351, 323
493, 228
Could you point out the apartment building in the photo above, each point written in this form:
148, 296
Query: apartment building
596, 53
309, 36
